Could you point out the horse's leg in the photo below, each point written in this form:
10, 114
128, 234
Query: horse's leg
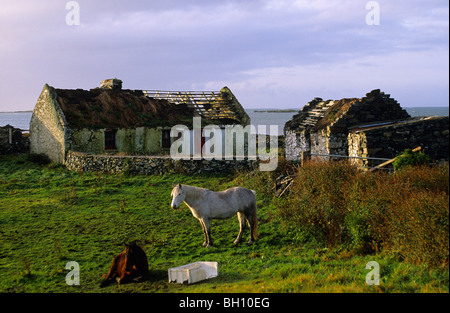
242, 219
205, 232
207, 225
124, 278
141, 270
250, 224
112, 271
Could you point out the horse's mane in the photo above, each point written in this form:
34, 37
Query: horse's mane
194, 192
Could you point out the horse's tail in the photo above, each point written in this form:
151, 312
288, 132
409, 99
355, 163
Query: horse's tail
255, 218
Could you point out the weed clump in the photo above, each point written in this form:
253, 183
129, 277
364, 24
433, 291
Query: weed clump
409, 158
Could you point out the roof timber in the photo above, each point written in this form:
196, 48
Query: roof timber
213, 105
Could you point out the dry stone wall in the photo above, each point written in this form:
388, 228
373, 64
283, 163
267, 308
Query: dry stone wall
152, 165
12, 140
48, 127
431, 133
322, 127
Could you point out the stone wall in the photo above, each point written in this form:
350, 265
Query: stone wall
387, 141
325, 124
297, 130
151, 165
12, 140
138, 140
48, 127
375, 107
330, 134
326, 142
50, 133
295, 143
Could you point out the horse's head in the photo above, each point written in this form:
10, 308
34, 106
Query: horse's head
131, 253
130, 248
128, 253
178, 196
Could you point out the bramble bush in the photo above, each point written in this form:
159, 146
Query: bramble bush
403, 213
317, 200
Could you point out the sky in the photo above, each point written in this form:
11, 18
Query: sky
270, 53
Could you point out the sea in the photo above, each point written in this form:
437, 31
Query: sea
257, 117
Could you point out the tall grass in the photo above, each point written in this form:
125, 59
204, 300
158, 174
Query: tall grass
404, 214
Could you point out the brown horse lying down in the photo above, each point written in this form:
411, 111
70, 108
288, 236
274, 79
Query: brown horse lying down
130, 265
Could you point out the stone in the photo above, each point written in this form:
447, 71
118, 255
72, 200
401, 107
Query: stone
376, 123
146, 165
12, 140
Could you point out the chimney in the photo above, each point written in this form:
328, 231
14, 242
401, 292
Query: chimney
113, 83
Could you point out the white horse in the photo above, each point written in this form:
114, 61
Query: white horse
206, 205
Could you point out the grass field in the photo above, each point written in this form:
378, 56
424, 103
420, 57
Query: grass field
50, 216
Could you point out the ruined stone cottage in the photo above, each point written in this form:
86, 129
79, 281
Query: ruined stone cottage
372, 126
110, 119
12, 140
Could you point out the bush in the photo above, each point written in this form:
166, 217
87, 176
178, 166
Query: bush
418, 228
409, 158
357, 224
405, 213
317, 200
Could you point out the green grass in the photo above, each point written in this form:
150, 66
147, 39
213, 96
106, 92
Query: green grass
50, 216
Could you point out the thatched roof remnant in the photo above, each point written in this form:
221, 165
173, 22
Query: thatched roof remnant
108, 108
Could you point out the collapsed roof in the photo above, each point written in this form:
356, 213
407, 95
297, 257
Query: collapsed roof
107, 108
113, 107
221, 106
346, 113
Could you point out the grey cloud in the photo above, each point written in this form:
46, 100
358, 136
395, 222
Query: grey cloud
197, 44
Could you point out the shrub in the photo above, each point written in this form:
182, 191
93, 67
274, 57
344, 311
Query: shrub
357, 224
409, 158
434, 179
317, 200
405, 213
418, 228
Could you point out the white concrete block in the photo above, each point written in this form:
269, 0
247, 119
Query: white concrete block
193, 272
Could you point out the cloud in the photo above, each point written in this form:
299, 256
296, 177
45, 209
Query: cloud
409, 77
255, 46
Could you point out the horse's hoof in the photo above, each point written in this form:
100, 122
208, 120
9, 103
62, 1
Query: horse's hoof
236, 242
250, 243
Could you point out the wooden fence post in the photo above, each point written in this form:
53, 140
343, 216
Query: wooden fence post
305, 156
